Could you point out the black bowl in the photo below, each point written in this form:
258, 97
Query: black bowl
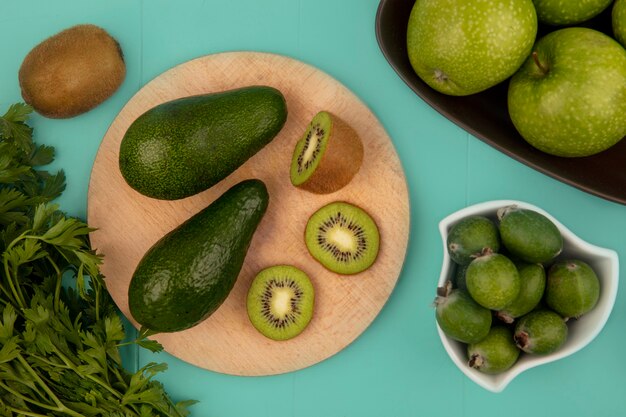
485, 115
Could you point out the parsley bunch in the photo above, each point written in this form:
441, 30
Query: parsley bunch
60, 332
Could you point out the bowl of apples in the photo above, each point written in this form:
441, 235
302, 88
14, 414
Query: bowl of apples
508, 99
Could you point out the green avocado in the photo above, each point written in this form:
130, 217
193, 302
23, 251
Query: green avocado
185, 146
189, 272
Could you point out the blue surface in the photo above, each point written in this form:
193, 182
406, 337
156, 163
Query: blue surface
398, 366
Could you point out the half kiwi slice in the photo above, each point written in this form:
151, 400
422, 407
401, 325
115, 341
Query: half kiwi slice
327, 156
343, 238
280, 302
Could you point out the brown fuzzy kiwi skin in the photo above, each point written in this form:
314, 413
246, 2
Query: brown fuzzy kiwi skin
340, 162
72, 72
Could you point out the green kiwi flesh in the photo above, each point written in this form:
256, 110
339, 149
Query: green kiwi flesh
343, 238
280, 302
308, 150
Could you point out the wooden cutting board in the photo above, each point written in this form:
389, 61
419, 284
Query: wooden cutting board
129, 223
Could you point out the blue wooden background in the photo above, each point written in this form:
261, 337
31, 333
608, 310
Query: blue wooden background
398, 366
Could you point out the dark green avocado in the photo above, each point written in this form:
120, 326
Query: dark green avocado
185, 146
187, 274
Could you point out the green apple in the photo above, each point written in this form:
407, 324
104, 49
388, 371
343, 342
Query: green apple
568, 12
461, 47
619, 21
569, 97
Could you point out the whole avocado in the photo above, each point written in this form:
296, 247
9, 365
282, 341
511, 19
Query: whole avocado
185, 146
189, 272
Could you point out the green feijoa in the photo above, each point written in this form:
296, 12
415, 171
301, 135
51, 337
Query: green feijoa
532, 286
572, 288
470, 236
459, 316
496, 353
459, 277
529, 235
492, 280
540, 332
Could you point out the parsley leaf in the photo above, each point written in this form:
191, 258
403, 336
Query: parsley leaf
60, 344
13, 126
41, 155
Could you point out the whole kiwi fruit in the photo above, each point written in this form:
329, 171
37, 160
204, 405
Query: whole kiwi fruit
72, 72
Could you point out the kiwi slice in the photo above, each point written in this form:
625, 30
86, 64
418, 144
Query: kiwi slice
280, 302
342, 237
72, 72
327, 156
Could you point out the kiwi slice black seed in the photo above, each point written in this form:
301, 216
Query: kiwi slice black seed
343, 238
280, 302
327, 156
72, 72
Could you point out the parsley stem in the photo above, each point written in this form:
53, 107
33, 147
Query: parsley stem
61, 407
97, 297
48, 362
17, 240
57, 289
17, 292
5, 291
19, 412
73, 367
27, 399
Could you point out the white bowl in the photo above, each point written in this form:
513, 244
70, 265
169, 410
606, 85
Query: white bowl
582, 331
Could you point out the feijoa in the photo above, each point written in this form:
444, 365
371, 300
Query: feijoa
492, 280
459, 277
470, 236
496, 353
572, 289
459, 316
529, 235
540, 332
532, 286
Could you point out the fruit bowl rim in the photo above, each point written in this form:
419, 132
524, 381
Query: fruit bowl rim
609, 278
